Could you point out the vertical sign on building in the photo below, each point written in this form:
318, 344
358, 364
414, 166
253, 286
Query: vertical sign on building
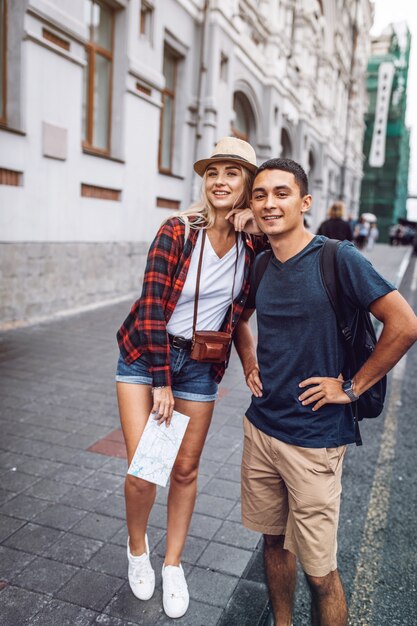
377, 152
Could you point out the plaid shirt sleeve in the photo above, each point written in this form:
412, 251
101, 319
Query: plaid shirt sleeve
145, 328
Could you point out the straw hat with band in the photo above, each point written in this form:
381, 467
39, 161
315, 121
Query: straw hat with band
229, 149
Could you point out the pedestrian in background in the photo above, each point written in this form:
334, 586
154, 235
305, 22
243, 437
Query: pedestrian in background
300, 418
335, 227
155, 371
372, 236
360, 234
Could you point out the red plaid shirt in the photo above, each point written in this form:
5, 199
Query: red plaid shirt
145, 328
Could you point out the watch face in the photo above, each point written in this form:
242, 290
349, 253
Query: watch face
347, 385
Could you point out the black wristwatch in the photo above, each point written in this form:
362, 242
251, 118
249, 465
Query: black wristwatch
347, 387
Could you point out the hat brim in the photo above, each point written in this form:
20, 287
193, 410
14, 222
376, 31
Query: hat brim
201, 166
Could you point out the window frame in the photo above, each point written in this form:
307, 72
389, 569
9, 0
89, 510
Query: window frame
146, 16
92, 50
3, 112
172, 94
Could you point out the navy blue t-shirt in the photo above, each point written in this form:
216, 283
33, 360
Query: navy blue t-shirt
298, 337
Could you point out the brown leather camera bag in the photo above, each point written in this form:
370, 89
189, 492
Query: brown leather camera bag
211, 346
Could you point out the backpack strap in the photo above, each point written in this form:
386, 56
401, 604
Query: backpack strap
330, 276
260, 264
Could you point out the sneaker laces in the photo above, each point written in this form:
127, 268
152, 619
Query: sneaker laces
175, 584
141, 568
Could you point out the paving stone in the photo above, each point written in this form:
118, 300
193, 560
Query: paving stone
235, 534
6, 495
256, 570
225, 558
98, 526
38, 467
208, 467
73, 549
89, 459
70, 474
108, 620
247, 605
12, 562
91, 590
15, 480
60, 516
204, 526
8, 526
212, 587
126, 607
24, 446
58, 613
116, 466
18, 605
192, 550
79, 440
214, 506
33, 538
198, 614
229, 472
223, 488
62, 454
104, 481
24, 507
110, 559
236, 457
111, 504
48, 489
44, 575
158, 516
213, 453
236, 514
83, 498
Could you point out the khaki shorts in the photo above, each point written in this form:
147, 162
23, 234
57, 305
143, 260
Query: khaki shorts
293, 491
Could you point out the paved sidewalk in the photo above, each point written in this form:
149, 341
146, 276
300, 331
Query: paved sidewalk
62, 530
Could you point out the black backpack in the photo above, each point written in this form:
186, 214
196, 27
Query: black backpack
360, 339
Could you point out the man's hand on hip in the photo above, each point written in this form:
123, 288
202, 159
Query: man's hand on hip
324, 390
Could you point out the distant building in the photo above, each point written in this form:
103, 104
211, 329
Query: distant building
387, 138
105, 105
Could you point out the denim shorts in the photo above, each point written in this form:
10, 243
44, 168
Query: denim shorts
190, 379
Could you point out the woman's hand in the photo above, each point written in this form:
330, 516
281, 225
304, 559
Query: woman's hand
163, 404
254, 382
243, 220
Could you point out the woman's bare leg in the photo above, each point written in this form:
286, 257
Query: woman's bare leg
135, 404
183, 483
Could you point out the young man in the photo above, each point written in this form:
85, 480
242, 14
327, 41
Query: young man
300, 421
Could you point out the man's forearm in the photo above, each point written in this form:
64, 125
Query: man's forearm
245, 346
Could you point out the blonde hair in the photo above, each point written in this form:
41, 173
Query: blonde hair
202, 213
337, 210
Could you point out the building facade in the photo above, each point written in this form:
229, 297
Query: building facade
387, 138
106, 104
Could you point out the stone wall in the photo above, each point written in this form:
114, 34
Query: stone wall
40, 280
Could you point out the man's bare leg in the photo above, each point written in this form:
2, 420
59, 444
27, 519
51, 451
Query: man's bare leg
328, 602
281, 573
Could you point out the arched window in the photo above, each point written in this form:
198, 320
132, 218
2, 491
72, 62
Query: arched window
243, 125
286, 146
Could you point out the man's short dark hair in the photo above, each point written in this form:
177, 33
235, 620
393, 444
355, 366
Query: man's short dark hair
287, 165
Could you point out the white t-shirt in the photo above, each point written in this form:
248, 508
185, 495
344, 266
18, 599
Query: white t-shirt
215, 296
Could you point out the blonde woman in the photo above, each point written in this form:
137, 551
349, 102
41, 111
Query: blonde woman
155, 372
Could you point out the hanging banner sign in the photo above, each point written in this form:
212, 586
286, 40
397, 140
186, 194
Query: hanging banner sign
377, 152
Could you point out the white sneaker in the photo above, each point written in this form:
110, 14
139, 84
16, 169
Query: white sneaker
175, 596
140, 573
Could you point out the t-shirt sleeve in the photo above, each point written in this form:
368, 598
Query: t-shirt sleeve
361, 283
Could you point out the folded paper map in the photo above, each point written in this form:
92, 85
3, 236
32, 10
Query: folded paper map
158, 448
